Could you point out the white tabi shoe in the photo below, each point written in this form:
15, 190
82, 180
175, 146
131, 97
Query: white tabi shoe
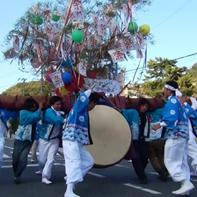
71, 195
46, 181
69, 191
186, 187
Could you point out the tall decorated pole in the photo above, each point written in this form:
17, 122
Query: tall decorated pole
67, 14
75, 43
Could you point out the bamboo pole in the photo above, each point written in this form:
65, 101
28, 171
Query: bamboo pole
65, 23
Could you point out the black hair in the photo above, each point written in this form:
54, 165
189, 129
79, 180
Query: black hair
30, 103
54, 99
174, 84
94, 97
143, 101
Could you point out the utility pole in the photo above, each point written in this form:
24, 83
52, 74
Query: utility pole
23, 85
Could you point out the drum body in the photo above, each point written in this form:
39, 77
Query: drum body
110, 134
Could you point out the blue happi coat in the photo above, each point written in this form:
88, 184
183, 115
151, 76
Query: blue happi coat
6, 115
77, 126
192, 115
132, 117
51, 125
175, 119
155, 117
27, 123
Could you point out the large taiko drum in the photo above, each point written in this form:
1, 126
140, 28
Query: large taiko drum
110, 134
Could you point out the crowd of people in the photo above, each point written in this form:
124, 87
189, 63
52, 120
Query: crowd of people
50, 128
166, 137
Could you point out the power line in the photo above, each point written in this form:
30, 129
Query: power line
185, 56
178, 58
173, 13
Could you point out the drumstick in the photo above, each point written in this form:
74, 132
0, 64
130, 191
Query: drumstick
124, 87
110, 102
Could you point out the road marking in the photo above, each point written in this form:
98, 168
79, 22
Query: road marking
7, 160
195, 180
9, 147
5, 156
153, 173
95, 174
29, 165
121, 166
142, 188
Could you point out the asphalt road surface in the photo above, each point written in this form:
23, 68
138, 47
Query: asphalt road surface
116, 181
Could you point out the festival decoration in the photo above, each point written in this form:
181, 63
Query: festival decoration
67, 77
78, 36
37, 20
133, 27
144, 29
55, 17
103, 85
56, 78
67, 62
77, 39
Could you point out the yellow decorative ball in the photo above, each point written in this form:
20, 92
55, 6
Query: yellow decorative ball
144, 29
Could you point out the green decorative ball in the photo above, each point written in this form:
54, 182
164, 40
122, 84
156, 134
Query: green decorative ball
55, 17
78, 36
37, 20
133, 27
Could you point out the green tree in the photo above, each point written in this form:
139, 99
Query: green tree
186, 84
161, 70
193, 72
31, 88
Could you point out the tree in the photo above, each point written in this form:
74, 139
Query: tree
193, 72
186, 84
67, 35
161, 70
32, 88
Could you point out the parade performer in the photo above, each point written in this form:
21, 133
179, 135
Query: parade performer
138, 151
25, 134
76, 134
132, 116
5, 117
3, 131
192, 122
156, 144
177, 135
50, 133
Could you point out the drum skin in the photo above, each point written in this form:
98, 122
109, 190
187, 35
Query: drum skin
110, 134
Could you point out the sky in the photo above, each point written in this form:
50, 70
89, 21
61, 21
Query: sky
173, 25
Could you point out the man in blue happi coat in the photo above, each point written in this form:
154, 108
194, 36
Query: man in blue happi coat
177, 135
76, 134
190, 105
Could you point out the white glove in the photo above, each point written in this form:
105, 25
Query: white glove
194, 103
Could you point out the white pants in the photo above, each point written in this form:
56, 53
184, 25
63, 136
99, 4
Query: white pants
192, 149
78, 161
3, 131
1, 149
47, 152
34, 150
175, 159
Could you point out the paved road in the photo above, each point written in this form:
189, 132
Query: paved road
115, 181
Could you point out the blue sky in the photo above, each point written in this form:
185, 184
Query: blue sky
173, 24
